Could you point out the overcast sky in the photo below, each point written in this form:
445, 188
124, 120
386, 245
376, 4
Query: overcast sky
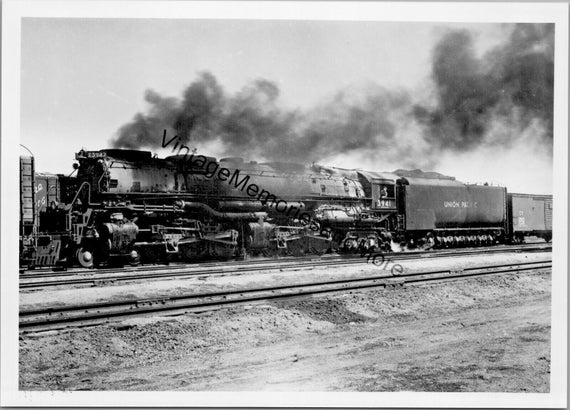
82, 79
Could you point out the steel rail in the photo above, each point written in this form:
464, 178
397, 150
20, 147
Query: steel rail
55, 318
102, 278
49, 272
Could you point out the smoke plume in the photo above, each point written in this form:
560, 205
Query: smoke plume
477, 101
252, 122
512, 84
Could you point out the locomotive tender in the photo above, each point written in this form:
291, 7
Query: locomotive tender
130, 206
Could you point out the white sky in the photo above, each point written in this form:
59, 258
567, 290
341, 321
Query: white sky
84, 78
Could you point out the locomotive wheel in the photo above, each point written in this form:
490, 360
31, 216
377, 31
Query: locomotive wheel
85, 257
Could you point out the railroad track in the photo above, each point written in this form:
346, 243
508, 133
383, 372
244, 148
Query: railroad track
51, 272
56, 318
104, 277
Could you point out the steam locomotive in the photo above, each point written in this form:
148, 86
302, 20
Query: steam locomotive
128, 206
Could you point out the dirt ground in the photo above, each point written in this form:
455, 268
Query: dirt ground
199, 284
477, 335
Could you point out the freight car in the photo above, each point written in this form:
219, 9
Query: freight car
530, 215
128, 206
40, 195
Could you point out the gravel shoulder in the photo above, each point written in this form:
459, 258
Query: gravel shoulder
58, 296
478, 335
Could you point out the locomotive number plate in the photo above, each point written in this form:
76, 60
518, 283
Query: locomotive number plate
95, 154
90, 154
386, 203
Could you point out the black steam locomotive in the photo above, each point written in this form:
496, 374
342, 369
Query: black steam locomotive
128, 206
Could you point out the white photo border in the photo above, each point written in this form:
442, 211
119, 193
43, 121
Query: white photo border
14, 11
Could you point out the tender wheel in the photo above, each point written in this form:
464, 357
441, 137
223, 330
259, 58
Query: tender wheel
85, 257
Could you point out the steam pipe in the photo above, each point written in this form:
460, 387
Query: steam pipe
248, 206
252, 216
253, 206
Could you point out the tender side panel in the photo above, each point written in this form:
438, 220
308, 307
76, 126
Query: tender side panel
490, 206
460, 206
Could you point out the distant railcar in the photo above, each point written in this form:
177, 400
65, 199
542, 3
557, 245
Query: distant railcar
47, 188
530, 215
28, 211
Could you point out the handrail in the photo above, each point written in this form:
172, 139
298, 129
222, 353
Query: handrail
99, 181
85, 183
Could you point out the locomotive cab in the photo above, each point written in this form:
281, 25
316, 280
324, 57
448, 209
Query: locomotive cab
380, 188
383, 194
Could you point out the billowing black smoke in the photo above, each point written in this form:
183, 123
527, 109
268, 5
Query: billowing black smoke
251, 122
513, 83
206, 113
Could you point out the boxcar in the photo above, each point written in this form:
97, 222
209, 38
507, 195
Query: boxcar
27, 196
47, 191
530, 215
